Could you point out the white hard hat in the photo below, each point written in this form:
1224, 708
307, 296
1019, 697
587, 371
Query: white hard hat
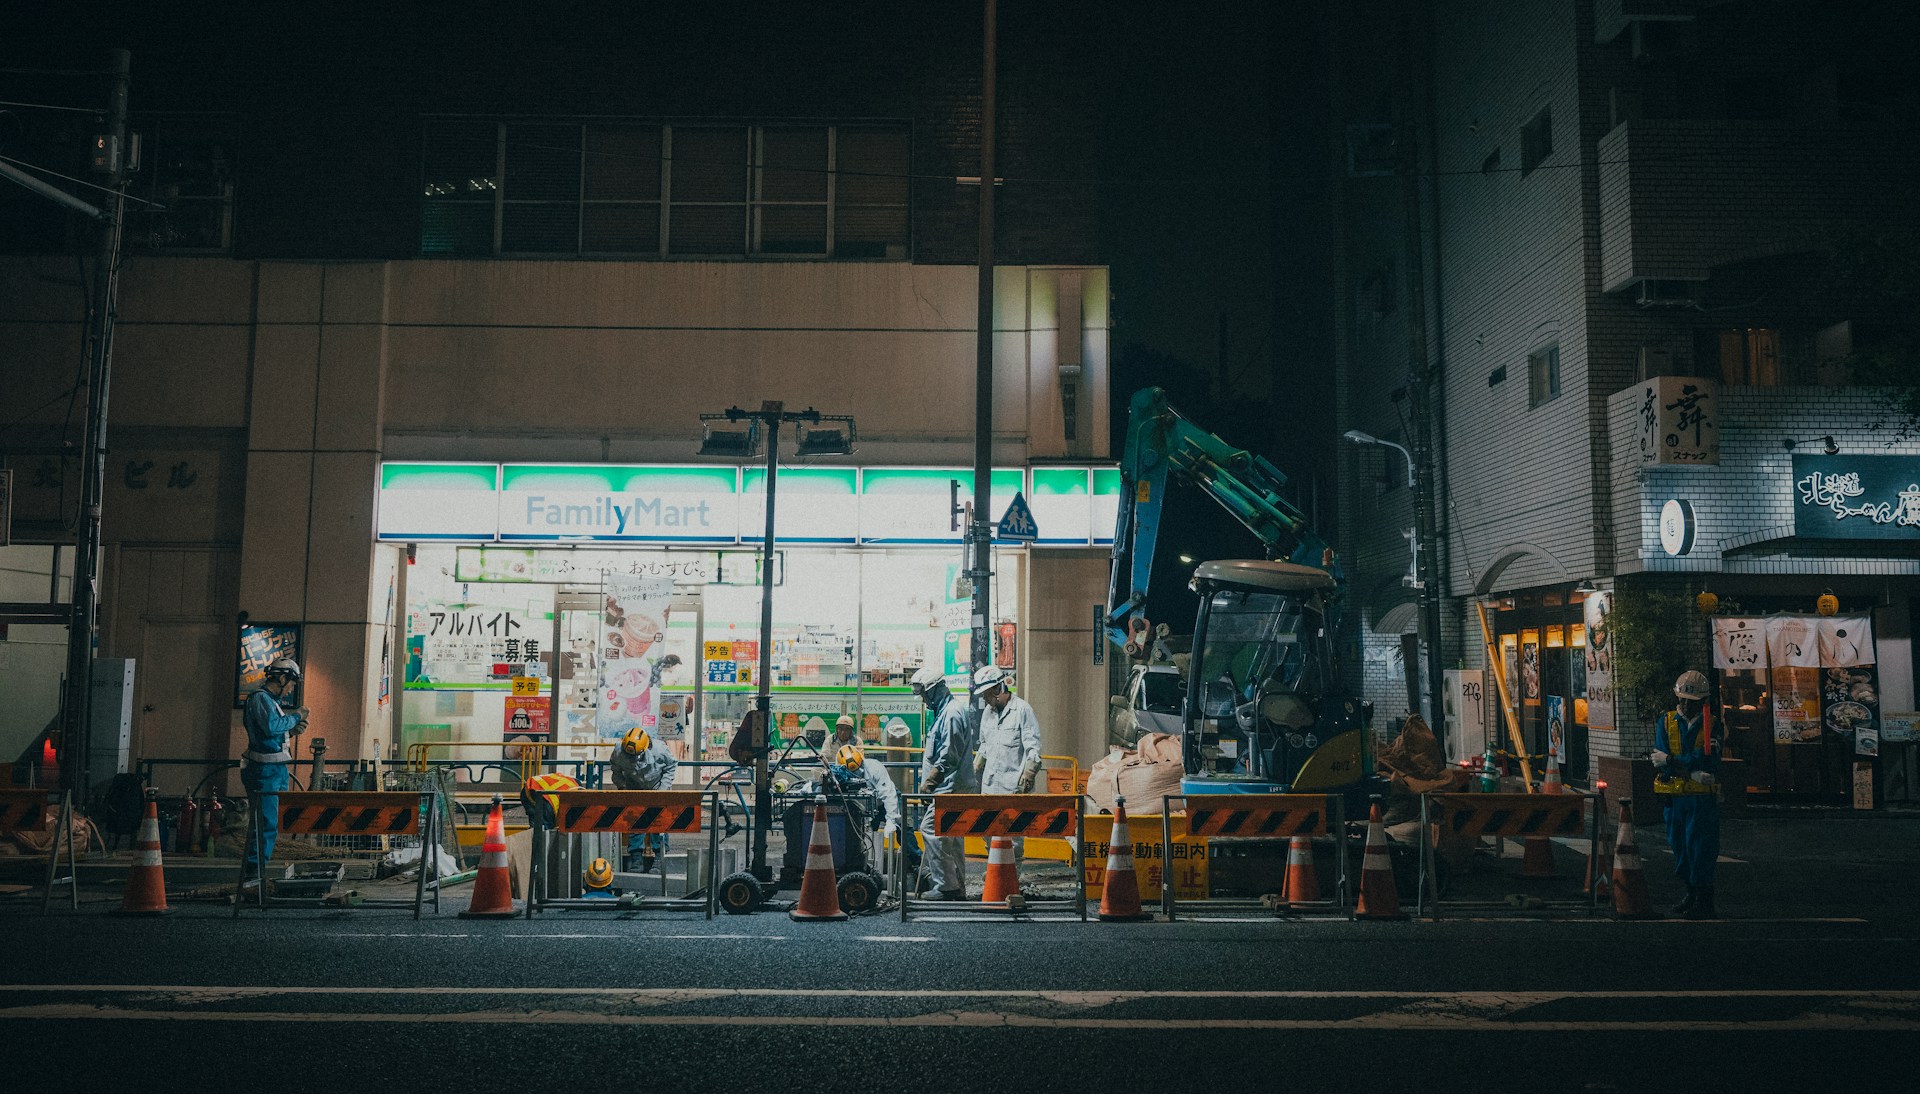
1691, 685
988, 677
926, 676
284, 666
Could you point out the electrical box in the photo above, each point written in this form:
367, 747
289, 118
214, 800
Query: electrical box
110, 729
1467, 711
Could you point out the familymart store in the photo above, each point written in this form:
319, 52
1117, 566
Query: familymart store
622, 595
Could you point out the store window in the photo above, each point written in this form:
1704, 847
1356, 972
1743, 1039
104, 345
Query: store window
629, 188
1748, 356
1536, 141
849, 627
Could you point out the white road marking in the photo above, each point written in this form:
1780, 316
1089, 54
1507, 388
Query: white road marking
896, 938
1438, 1019
1074, 996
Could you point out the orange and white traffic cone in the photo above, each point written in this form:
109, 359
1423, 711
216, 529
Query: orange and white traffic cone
146, 891
492, 885
1538, 863
1379, 897
1003, 877
1630, 899
1120, 894
819, 894
1303, 882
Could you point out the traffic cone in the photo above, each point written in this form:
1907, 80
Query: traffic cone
146, 891
492, 887
1120, 897
1303, 882
1003, 877
1630, 899
1538, 863
819, 895
1379, 898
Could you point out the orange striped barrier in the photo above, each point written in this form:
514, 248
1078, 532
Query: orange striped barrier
624, 812
1509, 814
1005, 815
629, 811
1059, 816
1522, 816
352, 813
1256, 816
26, 811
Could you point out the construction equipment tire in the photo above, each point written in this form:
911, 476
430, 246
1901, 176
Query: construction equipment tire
740, 893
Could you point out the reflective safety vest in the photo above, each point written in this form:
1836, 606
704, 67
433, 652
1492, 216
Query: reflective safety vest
1675, 747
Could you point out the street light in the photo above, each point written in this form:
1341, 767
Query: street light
1425, 558
1358, 437
743, 442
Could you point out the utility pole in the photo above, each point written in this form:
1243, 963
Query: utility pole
981, 530
110, 153
1419, 381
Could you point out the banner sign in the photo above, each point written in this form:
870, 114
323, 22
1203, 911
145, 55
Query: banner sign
260, 644
632, 644
1856, 497
1678, 422
694, 504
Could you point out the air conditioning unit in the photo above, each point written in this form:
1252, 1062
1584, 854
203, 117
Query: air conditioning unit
1654, 361
1656, 293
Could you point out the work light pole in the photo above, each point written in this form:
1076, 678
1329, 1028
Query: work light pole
763, 699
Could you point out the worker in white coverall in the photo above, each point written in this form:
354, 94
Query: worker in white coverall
946, 767
1009, 759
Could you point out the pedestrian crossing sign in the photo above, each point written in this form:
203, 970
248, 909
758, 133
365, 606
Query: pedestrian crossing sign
1017, 522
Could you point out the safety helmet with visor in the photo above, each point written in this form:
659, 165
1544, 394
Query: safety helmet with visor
988, 677
636, 741
851, 758
283, 668
1691, 685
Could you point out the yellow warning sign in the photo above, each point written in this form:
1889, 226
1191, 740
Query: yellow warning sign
526, 685
719, 651
1183, 862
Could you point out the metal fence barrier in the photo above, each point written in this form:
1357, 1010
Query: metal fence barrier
1213, 817
1504, 816
1057, 816
359, 813
624, 812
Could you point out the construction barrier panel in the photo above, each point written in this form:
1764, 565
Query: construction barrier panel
627, 813
1207, 817
959, 816
348, 813
26, 811
1503, 816
1063, 776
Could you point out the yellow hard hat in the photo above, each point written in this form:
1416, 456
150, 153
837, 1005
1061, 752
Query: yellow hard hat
850, 757
599, 874
636, 741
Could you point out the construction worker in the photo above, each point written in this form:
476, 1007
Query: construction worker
264, 771
1686, 766
863, 775
642, 763
946, 767
1009, 759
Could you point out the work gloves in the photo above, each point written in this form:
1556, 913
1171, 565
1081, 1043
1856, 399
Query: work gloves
979, 765
1704, 778
1659, 759
1029, 773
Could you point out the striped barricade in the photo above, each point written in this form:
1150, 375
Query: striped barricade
26, 811
620, 813
1504, 816
1193, 822
959, 816
350, 813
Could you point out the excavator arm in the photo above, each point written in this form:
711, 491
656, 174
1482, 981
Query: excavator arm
1161, 444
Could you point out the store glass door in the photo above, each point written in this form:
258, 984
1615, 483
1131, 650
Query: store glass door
581, 639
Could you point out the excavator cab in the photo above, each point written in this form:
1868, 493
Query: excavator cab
1270, 716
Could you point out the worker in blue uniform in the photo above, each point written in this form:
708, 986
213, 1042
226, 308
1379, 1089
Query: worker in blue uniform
268, 722
946, 767
1686, 769
642, 763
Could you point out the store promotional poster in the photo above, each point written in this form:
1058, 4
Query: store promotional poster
1821, 671
633, 643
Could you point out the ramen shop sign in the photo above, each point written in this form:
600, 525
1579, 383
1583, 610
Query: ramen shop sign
1856, 497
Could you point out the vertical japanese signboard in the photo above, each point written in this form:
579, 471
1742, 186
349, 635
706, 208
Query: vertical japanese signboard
1678, 422
1598, 657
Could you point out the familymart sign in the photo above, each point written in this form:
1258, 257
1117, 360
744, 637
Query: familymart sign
706, 504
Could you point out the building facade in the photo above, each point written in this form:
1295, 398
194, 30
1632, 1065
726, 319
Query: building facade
1654, 244
346, 350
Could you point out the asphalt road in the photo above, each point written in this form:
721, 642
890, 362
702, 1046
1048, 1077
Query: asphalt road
1815, 990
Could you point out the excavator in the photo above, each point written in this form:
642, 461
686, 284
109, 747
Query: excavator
1264, 711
